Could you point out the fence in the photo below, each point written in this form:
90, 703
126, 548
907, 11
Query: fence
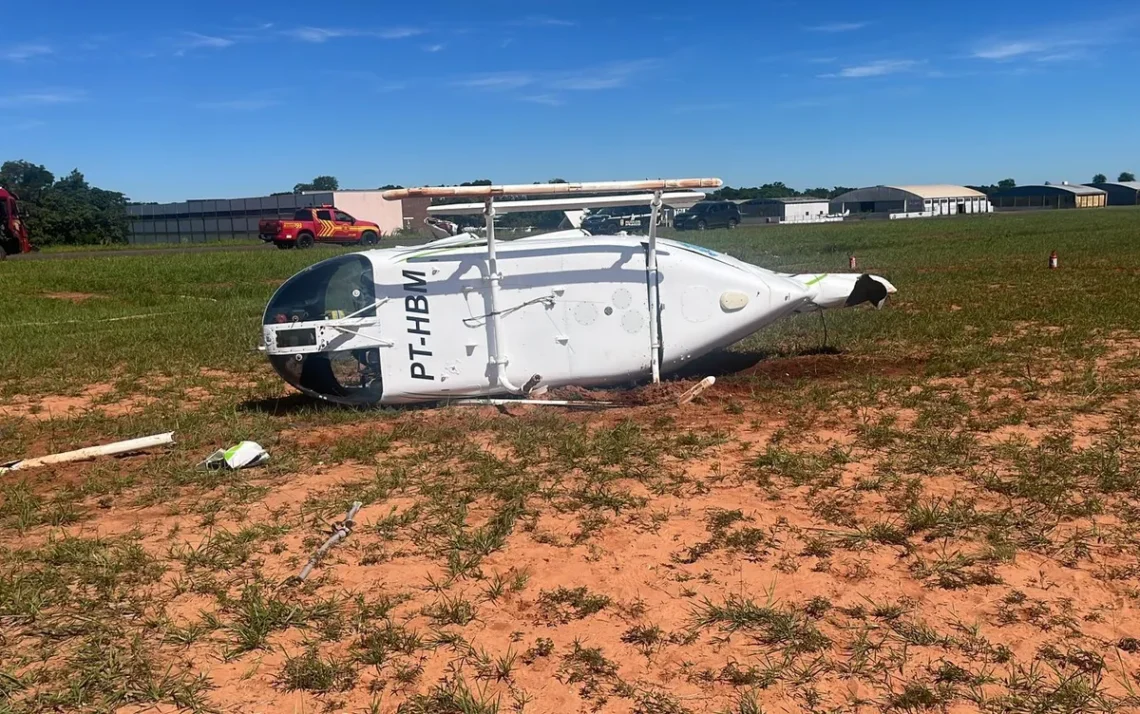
207, 221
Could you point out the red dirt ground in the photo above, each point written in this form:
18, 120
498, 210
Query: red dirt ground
633, 559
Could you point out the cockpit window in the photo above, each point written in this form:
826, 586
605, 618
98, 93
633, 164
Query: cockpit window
331, 290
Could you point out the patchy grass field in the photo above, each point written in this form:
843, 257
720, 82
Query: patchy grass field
938, 511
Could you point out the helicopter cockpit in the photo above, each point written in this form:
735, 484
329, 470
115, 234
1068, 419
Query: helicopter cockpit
321, 333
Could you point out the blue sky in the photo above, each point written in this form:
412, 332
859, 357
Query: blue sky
170, 100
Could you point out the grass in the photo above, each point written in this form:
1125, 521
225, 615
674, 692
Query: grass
799, 530
313, 673
256, 615
565, 604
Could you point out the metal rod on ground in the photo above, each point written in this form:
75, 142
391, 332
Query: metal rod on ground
530, 402
341, 532
91, 452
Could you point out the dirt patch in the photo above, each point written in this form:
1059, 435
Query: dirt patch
96, 397
72, 297
651, 558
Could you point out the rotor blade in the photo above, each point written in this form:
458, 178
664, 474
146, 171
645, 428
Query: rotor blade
547, 189
675, 199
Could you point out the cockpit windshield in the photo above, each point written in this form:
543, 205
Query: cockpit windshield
335, 289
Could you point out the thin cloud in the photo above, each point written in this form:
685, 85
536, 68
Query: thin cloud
878, 68
1050, 44
836, 27
610, 76
240, 105
545, 21
23, 53
318, 35
1036, 51
589, 79
194, 40
499, 81
434, 48
1062, 56
590, 82
44, 97
397, 33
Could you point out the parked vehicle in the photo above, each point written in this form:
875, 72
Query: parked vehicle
708, 214
13, 232
323, 224
614, 219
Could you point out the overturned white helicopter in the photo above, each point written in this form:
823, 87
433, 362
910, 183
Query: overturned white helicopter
470, 316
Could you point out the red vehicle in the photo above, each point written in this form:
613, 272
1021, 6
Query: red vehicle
323, 224
13, 232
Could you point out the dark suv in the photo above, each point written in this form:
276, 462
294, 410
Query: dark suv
608, 221
708, 214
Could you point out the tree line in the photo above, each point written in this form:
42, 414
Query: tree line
69, 210
776, 189
66, 210
1124, 176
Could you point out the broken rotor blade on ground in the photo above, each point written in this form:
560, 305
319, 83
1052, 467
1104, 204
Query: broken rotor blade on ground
695, 391
91, 452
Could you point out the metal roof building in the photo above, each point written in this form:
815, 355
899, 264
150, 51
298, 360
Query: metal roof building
911, 201
1050, 195
791, 209
1120, 193
203, 221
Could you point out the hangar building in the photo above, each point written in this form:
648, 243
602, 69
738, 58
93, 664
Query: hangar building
1050, 195
798, 209
911, 201
1120, 193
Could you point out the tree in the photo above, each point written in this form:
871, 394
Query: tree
320, 183
26, 179
1006, 184
1126, 176
1100, 178
68, 210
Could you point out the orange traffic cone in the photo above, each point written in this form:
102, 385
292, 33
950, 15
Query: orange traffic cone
1053, 260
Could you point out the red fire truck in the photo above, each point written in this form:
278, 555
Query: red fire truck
323, 224
13, 233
